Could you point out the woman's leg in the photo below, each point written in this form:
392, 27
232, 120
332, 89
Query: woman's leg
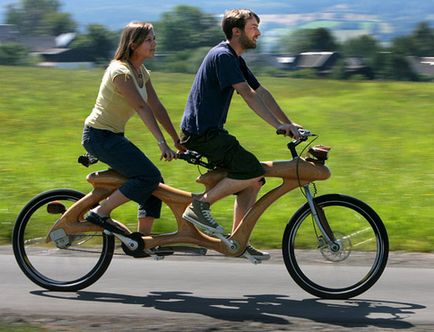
144, 225
110, 203
124, 157
147, 213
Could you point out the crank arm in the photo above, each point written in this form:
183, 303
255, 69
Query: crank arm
231, 244
130, 243
187, 250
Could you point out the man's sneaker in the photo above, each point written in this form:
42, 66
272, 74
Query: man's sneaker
252, 253
199, 214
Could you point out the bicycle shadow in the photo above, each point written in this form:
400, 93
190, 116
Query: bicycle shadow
264, 308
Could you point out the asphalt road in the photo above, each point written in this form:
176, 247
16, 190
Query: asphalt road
218, 294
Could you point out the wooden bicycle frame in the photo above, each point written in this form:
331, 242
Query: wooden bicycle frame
294, 173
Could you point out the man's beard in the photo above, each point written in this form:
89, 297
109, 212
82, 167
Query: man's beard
246, 43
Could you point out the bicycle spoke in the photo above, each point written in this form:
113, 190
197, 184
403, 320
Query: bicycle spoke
70, 265
349, 264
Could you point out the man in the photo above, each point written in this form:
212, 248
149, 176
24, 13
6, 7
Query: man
222, 71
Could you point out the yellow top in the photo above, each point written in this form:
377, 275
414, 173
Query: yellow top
111, 110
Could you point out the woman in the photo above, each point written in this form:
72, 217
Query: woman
126, 89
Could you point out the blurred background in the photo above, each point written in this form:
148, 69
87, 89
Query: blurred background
339, 39
359, 74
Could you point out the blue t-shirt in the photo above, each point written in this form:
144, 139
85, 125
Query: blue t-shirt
210, 96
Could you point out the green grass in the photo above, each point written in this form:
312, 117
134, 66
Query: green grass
21, 327
381, 135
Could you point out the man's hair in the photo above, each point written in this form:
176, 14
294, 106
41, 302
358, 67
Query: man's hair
236, 18
133, 33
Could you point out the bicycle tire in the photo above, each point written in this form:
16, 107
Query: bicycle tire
363, 252
39, 260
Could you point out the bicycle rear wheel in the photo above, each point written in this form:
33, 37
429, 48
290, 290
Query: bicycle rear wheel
330, 272
54, 267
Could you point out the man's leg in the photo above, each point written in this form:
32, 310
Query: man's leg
199, 212
228, 186
244, 171
244, 201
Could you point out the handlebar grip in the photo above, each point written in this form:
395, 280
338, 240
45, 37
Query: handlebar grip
183, 155
304, 133
87, 160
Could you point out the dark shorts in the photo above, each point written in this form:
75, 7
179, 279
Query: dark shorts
224, 150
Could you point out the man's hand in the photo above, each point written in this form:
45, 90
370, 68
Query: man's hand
290, 129
179, 146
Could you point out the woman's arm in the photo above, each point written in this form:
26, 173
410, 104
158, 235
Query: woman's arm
161, 113
127, 88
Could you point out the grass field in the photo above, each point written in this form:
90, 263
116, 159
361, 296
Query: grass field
381, 135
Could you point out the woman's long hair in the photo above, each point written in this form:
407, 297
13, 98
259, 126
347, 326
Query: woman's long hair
134, 33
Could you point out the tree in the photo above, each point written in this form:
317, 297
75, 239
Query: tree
322, 40
419, 43
423, 37
13, 54
364, 46
187, 27
391, 66
99, 43
308, 40
403, 45
39, 17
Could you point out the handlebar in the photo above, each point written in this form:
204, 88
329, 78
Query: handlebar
192, 157
195, 158
304, 134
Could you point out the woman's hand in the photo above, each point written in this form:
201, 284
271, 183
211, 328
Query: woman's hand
166, 153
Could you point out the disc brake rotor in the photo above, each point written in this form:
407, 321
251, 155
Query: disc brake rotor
338, 254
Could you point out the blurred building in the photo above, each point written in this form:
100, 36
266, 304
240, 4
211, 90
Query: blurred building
9, 34
53, 50
423, 66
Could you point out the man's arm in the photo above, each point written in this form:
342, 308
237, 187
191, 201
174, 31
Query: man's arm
275, 117
256, 103
272, 105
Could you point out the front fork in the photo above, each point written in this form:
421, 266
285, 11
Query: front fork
320, 219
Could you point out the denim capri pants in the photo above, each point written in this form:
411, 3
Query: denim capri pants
124, 157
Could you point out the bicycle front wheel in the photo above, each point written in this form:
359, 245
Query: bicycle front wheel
59, 268
343, 271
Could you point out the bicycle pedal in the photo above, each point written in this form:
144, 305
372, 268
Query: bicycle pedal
199, 251
157, 257
163, 251
60, 237
231, 244
252, 259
